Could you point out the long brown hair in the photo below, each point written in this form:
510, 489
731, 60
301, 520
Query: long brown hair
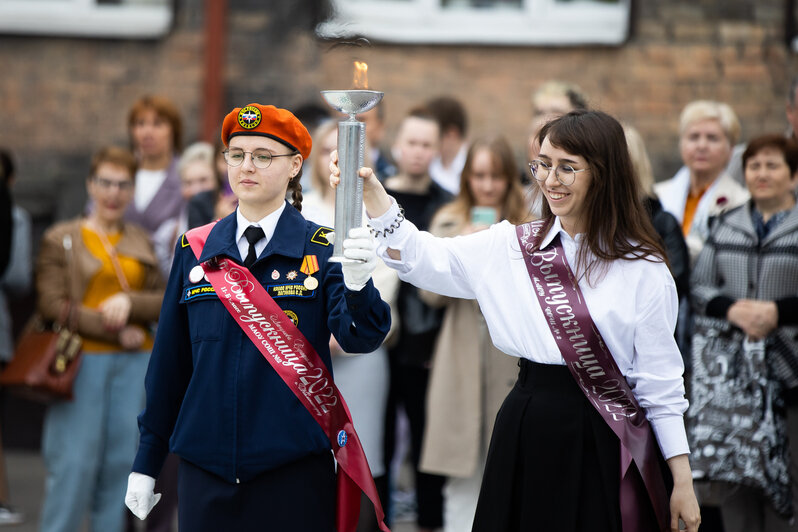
513, 206
617, 224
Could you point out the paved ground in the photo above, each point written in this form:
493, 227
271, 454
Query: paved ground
26, 480
21, 423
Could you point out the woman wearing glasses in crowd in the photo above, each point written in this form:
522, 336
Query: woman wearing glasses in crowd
252, 456
106, 268
554, 457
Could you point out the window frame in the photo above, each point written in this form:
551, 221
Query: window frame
85, 18
538, 22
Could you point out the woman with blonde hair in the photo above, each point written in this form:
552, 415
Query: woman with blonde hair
707, 132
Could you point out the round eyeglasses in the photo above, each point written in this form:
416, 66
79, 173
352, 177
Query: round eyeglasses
565, 173
261, 158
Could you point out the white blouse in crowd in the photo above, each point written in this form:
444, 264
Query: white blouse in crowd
634, 307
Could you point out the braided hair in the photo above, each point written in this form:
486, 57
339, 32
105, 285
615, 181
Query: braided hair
296, 190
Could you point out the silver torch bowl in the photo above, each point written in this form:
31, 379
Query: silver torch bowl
351, 150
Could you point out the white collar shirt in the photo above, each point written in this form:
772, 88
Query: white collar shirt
268, 224
634, 306
148, 182
448, 177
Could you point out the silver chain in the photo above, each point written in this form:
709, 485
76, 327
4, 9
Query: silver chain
392, 227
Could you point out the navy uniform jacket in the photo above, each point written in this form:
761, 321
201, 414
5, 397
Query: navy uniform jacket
212, 398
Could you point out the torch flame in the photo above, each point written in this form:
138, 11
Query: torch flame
361, 79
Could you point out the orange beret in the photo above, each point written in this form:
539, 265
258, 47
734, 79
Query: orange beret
267, 121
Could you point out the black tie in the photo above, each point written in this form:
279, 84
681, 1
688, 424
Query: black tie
253, 234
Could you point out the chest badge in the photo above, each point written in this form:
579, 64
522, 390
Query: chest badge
291, 275
275, 275
196, 274
310, 265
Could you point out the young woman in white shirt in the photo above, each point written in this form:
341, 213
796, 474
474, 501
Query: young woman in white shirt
553, 461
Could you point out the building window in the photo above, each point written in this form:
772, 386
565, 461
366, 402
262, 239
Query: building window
123, 19
497, 22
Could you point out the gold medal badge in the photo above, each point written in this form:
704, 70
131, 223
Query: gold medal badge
310, 265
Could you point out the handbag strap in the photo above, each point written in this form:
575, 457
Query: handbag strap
70, 314
113, 255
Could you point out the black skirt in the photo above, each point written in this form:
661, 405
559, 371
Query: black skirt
553, 463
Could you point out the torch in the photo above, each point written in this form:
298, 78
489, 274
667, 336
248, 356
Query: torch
351, 150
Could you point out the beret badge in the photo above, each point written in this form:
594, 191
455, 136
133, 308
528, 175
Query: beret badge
249, 117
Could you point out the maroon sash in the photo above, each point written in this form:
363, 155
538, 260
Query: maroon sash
293, 358
597, 374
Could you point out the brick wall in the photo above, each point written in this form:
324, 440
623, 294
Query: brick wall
678, 51
61, 98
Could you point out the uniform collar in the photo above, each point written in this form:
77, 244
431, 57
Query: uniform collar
288, 239
268, 223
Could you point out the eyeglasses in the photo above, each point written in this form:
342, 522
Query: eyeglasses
565, 173
108, 184
260, 158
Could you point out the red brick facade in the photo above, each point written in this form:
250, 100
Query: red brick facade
61, 98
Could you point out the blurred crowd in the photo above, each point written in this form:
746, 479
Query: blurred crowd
727, 218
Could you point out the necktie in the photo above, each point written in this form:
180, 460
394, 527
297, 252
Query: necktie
253, 234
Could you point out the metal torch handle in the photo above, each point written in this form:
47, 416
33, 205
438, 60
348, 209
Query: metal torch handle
349, 194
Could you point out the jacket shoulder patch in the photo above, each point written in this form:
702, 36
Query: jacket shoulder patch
320, 236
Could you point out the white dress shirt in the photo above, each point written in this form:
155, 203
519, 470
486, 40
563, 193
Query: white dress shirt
448, 177
634, 307
268, 224
147, 184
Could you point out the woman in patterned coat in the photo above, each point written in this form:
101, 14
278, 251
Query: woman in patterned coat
745, 352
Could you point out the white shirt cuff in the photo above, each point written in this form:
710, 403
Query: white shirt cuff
671, 436
392, 231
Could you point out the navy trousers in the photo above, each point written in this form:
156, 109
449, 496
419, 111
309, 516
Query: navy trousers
296, 497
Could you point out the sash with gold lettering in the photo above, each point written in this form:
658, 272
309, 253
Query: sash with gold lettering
293, 358
598, 376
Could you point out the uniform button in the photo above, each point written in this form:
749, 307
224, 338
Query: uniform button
238, 481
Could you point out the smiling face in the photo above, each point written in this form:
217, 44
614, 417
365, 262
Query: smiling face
705, 149
567, 202
262, 190
111, 190
487, 184
770, 181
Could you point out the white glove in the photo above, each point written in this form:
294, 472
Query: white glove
140, 497
360, 246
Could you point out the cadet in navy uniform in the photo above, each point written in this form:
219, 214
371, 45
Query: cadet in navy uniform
252, 457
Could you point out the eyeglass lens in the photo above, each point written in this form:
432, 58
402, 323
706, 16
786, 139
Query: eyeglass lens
260, 158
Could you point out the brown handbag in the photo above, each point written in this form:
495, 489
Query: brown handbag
47, 356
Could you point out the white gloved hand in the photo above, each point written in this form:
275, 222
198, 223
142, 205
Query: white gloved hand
360, 246
140, 496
